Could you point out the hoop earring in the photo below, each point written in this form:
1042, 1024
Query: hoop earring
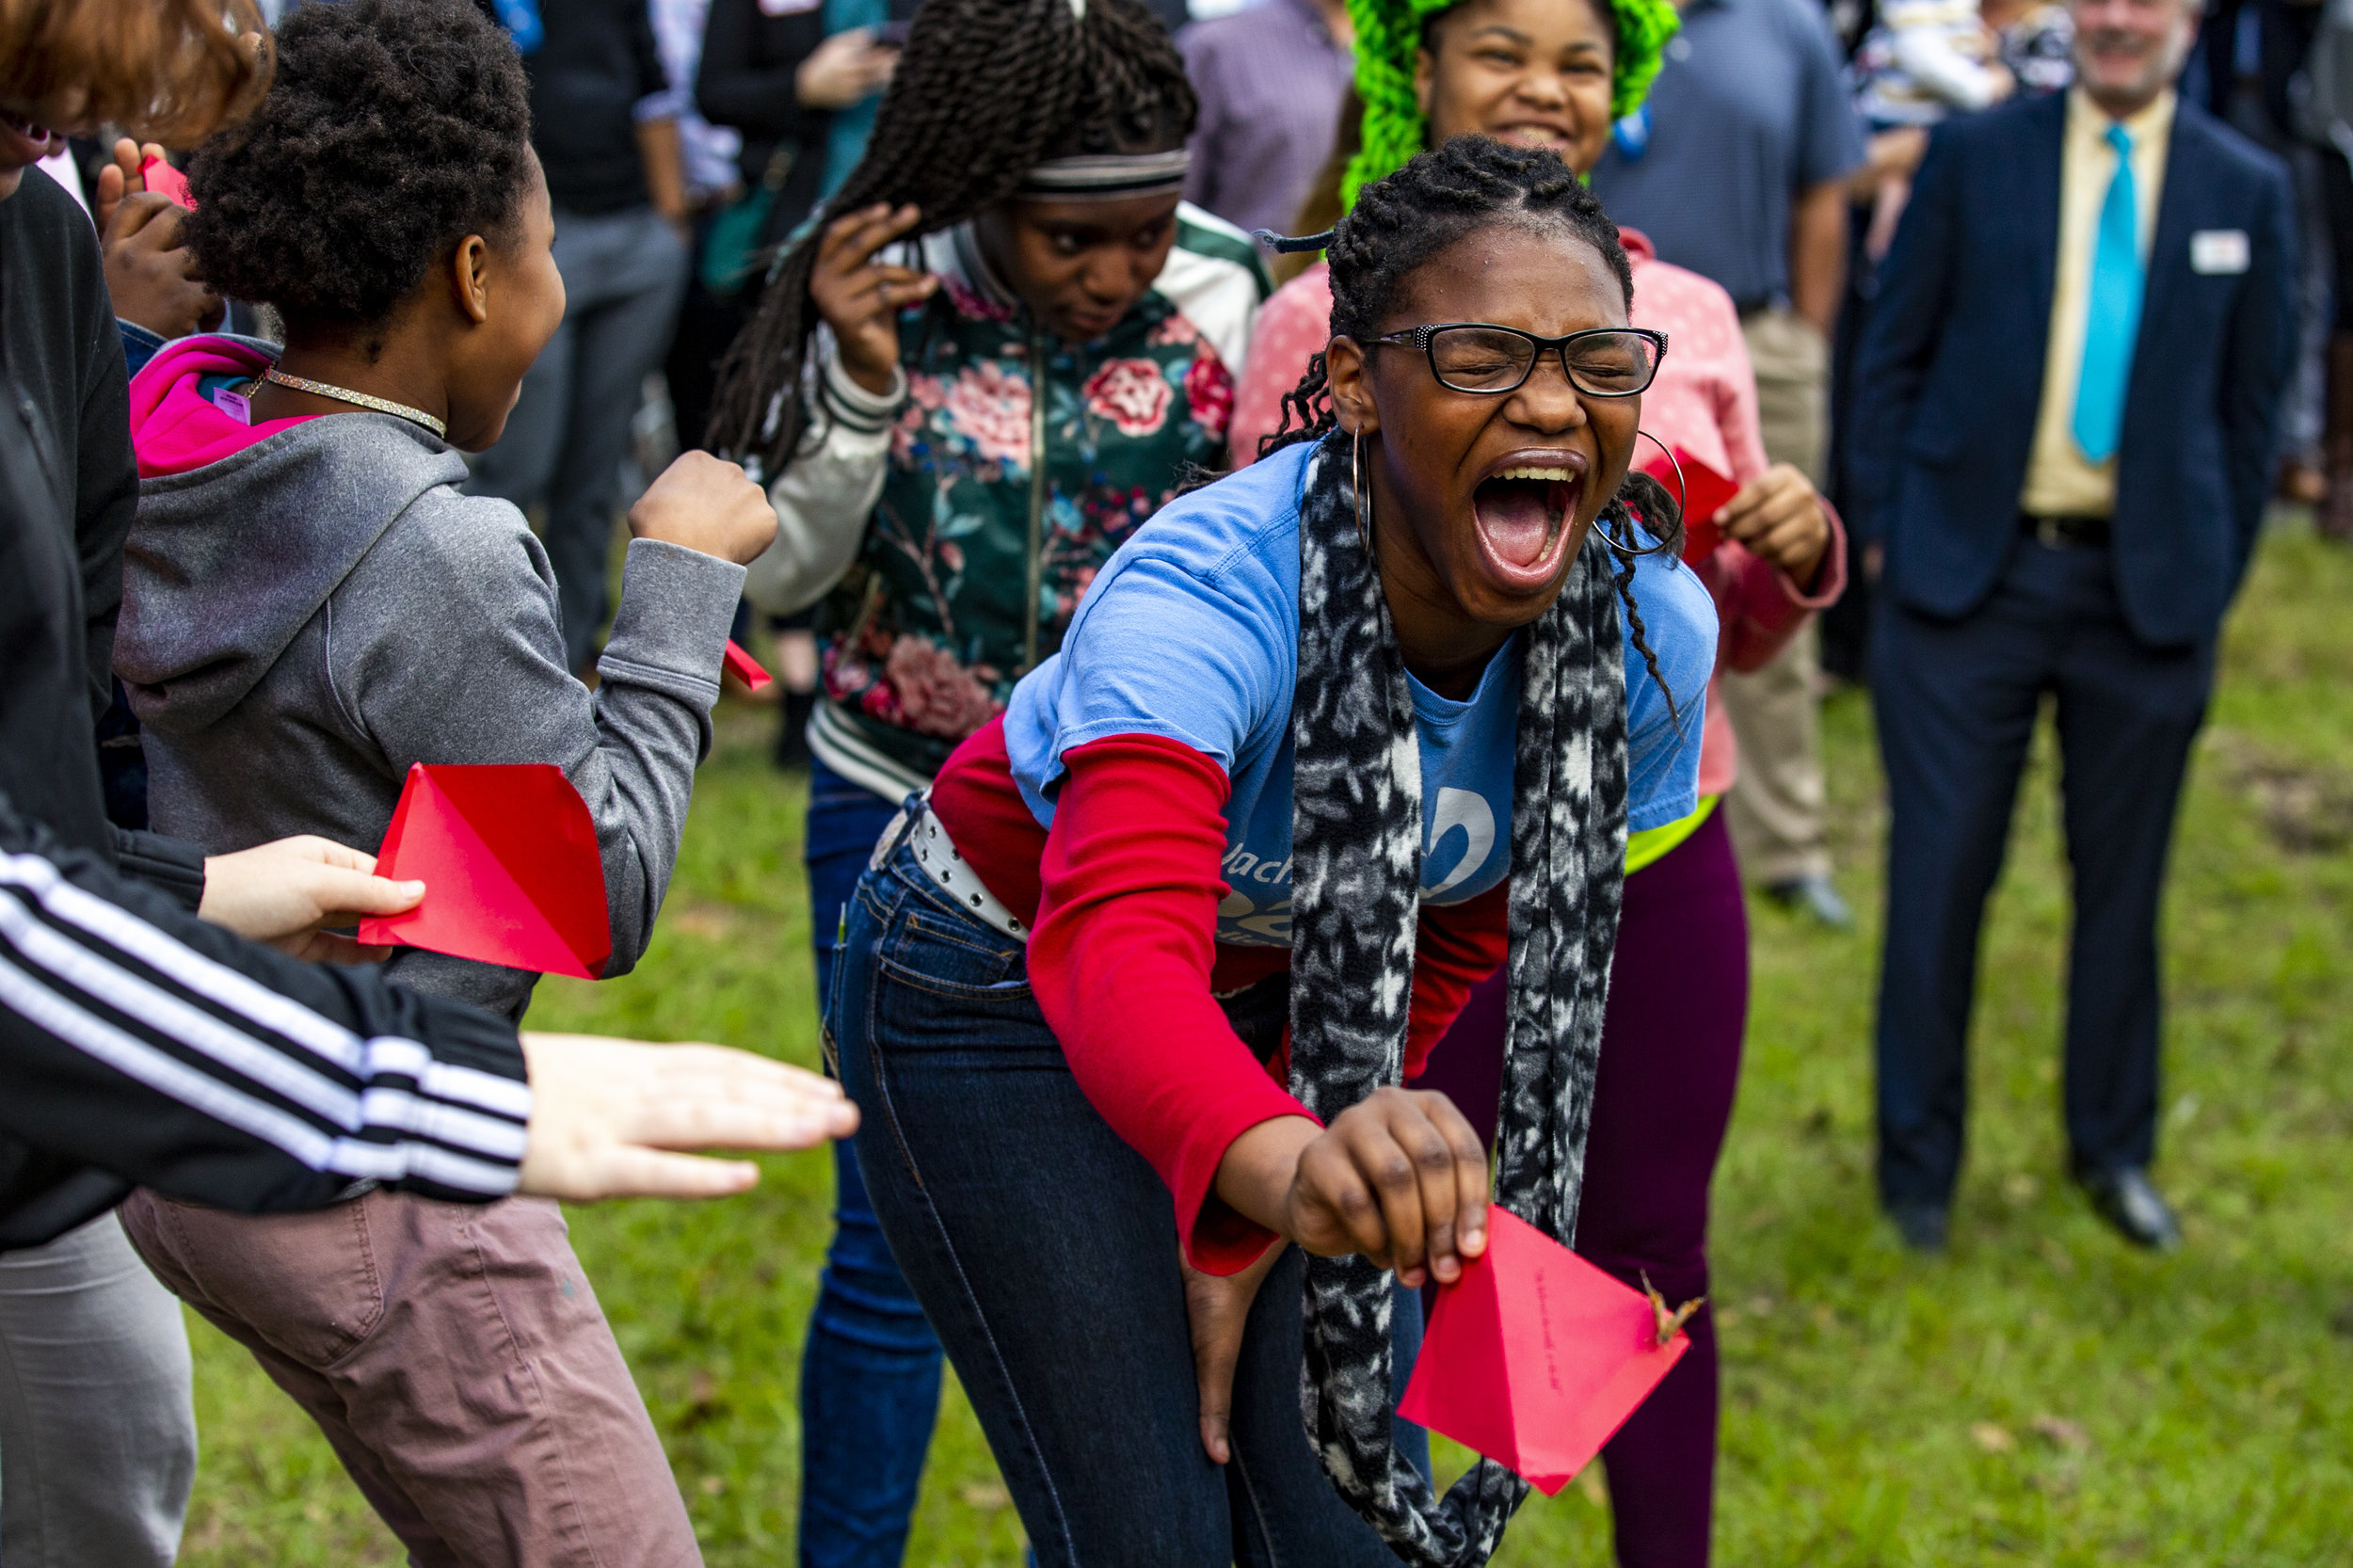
1681, 490
1356, 483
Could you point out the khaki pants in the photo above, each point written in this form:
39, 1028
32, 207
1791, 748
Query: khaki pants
1775, 808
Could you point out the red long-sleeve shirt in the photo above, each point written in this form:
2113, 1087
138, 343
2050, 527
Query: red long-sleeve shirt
1121, 901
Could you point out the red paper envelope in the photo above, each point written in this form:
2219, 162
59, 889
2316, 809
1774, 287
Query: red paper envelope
1534, 1357
508, 859
1702, 492
746, 668
164, 180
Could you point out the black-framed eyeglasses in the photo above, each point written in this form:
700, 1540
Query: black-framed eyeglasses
1479, 357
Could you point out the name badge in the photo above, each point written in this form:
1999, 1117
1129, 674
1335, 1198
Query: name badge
2218, 251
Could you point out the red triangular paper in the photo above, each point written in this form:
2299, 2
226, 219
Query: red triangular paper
1702, 492
1534, 1357
509, 860
744, 666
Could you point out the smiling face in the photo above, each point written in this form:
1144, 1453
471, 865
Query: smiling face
1532, 73
1079, 265
2129, 51
1481, 503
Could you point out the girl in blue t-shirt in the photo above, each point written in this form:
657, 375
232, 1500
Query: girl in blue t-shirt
1135, 990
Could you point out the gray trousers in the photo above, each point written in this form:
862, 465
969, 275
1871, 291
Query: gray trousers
97, 1429
624, 274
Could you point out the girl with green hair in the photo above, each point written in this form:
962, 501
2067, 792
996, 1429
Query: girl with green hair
1557, 74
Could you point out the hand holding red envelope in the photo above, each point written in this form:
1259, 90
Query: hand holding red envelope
509, 857
1534, 1357
1702, 492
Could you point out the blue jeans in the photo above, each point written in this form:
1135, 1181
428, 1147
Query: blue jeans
1044, 1249
870, 1376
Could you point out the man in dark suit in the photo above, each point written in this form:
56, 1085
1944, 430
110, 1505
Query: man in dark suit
2065, 431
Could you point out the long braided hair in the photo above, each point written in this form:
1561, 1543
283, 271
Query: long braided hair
985, 90
1397, 225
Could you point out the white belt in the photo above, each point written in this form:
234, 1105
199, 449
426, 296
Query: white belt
946, 866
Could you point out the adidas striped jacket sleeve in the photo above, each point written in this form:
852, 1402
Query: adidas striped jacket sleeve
140, 1046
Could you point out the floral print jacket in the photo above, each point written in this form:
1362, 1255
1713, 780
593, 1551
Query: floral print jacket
953, 526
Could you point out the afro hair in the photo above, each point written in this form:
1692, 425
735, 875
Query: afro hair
393, 128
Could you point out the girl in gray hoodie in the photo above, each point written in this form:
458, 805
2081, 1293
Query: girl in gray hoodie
311, 605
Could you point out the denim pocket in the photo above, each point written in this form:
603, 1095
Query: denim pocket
950, 955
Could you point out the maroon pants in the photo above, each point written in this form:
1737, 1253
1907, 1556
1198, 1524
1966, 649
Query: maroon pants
1669, 1059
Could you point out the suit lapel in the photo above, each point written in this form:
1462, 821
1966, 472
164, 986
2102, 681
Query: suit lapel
2185, 180
2038, 189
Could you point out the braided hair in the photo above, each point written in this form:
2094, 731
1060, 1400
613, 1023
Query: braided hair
985, 90
1399, 225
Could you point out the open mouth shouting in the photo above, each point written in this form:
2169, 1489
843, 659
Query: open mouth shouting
1524, 512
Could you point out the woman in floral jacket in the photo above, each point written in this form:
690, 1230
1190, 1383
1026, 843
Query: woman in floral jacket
951, 523
1008, 343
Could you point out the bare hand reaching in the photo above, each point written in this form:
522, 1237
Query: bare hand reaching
286, 891
607, 1115
860, 298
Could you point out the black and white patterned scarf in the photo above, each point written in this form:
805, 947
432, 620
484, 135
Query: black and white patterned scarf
1356, 831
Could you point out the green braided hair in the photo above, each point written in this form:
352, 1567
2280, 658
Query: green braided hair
1388, 36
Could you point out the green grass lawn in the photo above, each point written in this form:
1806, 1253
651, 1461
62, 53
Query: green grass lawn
2042, 1395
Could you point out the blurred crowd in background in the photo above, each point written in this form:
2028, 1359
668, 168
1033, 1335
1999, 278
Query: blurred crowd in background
2047, 369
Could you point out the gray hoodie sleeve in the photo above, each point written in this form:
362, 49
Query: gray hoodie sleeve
443, 646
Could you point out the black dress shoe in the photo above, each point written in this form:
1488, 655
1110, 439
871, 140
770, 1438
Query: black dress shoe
1922, 1225
2125, 1198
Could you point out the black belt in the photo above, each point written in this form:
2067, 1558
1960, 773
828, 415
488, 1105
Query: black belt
2064, 533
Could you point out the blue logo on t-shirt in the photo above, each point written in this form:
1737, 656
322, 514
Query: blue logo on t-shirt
1466, 756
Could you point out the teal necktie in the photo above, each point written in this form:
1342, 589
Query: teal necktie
2111, 312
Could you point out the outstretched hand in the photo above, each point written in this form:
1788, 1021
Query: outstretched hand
607, 1116
286, 893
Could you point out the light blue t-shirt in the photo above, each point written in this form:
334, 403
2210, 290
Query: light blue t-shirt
1191, 632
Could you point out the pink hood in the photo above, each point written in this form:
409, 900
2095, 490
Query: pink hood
174, 427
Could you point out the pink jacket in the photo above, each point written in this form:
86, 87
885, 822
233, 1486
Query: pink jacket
1704, 400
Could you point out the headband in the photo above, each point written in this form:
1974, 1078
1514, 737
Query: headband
1388, 36
1106, 176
